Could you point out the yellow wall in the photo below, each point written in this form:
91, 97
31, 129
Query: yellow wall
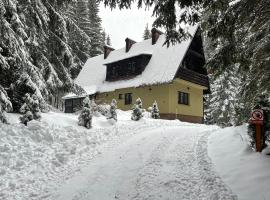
166, 96
195, 107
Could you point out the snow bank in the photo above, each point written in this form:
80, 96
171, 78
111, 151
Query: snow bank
35, 159
245, 171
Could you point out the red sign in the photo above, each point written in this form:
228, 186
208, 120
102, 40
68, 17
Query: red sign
257, 117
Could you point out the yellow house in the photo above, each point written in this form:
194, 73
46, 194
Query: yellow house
173, 76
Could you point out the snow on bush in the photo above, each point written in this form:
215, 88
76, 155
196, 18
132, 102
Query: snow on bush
5, 105
85, 118
137, 110
30, 109
155, 111
112, 113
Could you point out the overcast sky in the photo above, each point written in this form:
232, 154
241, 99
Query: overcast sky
120, 24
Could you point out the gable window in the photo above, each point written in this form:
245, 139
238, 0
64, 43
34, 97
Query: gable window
183, 98
120, 96
128, 98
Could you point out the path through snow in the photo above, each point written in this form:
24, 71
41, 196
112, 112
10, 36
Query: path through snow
165, 163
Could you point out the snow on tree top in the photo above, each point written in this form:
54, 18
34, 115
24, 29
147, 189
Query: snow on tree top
162, 67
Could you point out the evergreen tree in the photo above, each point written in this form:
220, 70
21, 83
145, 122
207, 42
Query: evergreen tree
146, 33
5, 105
86, 115
222, 102
112, 112
103, 38
42, 49
83, 17
96, 33
231, 26
155, 111
30, 109
137, 110
108, 41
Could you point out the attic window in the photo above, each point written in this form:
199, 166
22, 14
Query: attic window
132, 67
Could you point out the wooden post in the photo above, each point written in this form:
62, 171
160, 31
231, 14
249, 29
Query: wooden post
258, 138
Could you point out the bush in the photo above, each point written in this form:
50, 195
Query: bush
85, 118
155, 111
137, 110
30, 109
112, 112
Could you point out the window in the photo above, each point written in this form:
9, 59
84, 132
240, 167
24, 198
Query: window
120, 96
183, 98
128, 98
132, 67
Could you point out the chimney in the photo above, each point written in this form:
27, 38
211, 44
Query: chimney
155, 35
107, 51
129, 44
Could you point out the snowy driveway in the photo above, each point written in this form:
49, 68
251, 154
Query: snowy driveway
166, 164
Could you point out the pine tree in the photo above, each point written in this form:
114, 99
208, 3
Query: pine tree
5, 105
103, 38
222, 102
108, 41
96, 33
146, 33
40, 56
239, 36
112, 112
30, 109
155, 111
137, 112
86, 115
83, 17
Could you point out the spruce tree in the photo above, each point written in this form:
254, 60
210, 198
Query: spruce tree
96, 32
5, 105
155, 111
146, 33
108, 40
42, 49
137, 112
86, 115
103, 37
112, 112
83, 17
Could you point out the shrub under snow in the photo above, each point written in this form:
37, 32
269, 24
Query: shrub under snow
30, 109
112, 113
137, 110
85, 118
155, 111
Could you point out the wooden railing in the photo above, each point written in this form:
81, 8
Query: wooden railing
194, 77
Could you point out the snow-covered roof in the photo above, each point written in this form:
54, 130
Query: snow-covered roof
162, 67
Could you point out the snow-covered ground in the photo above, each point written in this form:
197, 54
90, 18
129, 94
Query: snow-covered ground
245, 171
55, 159
37, 159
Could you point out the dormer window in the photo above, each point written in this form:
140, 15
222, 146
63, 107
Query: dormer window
127, 68
132, 67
